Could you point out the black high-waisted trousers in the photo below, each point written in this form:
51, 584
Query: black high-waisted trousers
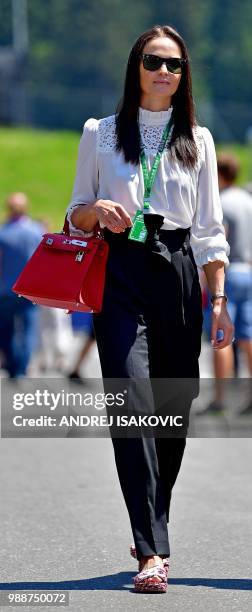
150, 327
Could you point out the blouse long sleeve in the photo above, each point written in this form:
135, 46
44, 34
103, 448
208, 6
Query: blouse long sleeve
86, 179
208, 239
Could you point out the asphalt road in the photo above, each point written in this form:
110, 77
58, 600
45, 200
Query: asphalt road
64, 525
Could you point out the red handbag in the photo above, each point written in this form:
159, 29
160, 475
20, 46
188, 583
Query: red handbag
66, 272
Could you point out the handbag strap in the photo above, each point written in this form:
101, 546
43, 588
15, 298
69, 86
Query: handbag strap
98, 233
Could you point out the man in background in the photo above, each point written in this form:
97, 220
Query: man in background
237, 217
19, 236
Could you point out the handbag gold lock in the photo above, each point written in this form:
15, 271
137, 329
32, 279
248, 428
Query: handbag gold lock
79, 256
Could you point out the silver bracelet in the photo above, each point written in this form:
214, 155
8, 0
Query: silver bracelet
215, 296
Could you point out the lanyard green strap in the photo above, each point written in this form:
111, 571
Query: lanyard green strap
149, 176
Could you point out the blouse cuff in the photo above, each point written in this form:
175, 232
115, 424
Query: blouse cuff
211, 254
73, 230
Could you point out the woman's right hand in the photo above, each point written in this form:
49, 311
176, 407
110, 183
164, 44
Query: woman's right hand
113, 215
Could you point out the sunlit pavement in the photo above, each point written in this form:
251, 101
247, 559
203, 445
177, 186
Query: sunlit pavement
64, 524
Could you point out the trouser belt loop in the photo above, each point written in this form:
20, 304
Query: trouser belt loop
185, 247
184, 250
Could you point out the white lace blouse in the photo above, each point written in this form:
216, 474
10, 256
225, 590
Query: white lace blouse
184, 197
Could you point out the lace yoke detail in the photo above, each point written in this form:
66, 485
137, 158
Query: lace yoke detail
198, 137
107, 134
151, 137
150, 134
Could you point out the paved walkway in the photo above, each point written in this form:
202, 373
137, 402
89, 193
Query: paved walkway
64, 526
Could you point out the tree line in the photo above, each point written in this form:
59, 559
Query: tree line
81, 46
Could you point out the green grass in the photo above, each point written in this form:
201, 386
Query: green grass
42, 164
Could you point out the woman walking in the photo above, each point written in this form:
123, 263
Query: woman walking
148, 175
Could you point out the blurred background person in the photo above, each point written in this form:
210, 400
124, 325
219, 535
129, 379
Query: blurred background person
19, 236
237, 215
55, 334
55, 342
88, 344
248, 188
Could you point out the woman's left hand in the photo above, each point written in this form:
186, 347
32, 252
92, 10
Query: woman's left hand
221, 320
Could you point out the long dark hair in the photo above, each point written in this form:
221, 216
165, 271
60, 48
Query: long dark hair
182, 145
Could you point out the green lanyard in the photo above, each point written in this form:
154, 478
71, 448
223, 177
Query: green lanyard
149, 176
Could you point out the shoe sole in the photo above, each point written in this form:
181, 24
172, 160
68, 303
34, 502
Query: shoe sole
150, 585
158, 589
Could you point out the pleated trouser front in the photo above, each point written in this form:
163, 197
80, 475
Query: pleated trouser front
150, 327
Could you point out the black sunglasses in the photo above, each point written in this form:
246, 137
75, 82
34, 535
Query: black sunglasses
154, 62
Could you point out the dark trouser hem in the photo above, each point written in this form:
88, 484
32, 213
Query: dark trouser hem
143, 549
